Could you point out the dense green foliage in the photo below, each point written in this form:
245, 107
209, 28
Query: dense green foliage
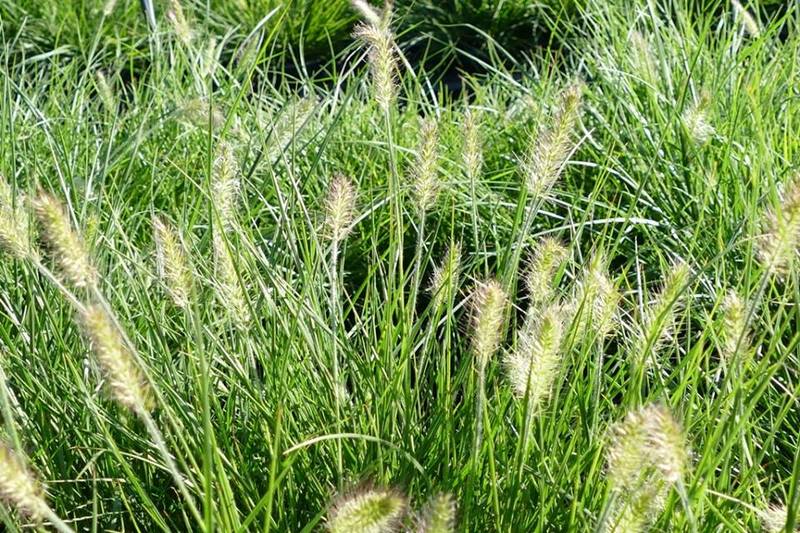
310, 363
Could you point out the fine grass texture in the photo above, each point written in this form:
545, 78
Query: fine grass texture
238, 294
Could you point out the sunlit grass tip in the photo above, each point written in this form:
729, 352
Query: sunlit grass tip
595, 303
445, 278
746, 19
225, 185
533, 366
547, 257
734, 326
647, 455
180, 25
426, 179
774, 517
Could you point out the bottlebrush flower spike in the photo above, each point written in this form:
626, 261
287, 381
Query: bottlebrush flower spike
547, 257
15, 224
489, 304
426, 179
340, 207
66, 244
367, 511
173, 267
548, 154
377, 34
19, 488
777, 246
439, 515
125, 380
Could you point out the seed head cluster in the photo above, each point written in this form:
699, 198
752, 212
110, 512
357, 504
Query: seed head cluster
439, 515
647, 455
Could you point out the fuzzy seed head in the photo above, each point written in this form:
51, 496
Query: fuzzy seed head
648, 442
287, 126
777, 246
225, 186
659, 319
746, 19
376, 33
774, 517
489, 305
547, 257
646, 456
426, 180
19, 488
199, 112
548, 154
340, 207
66, 244
15, 224
596, 301
533, 367
439, 515
210, 59
444, 281
125, 380
641, 56
105, 92
108, 7
229, 288
734, 326
173, 267
472, 151
179, 23
368, 12
695, 120
367, 511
